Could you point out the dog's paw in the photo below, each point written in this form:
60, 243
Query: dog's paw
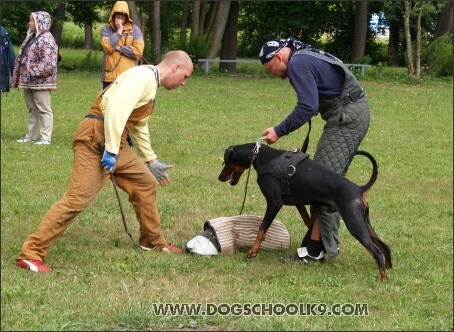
251, 254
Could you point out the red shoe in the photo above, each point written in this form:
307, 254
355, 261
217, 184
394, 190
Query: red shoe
33, 265
171, 248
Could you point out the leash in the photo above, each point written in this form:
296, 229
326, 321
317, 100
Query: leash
306, 140
255, 152
137, 246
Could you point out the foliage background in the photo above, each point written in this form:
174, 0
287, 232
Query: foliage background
329, 25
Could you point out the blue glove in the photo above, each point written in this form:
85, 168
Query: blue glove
108, 160
158, 169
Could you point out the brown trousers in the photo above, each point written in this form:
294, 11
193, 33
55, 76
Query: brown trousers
87, 179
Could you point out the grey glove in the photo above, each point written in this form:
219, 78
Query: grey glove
158, 169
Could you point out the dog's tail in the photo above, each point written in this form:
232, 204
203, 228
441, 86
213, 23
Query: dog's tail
374, 175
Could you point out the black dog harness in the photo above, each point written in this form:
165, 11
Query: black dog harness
284, 167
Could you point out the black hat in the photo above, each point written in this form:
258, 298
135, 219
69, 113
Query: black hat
270, 48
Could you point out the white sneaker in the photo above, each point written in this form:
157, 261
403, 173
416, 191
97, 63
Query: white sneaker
304, 255
24, 140
43, 142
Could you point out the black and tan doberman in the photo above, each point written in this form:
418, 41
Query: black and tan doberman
291, 178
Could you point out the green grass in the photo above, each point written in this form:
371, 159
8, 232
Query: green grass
100, 283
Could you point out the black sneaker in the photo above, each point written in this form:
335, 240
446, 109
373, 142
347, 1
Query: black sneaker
302, 256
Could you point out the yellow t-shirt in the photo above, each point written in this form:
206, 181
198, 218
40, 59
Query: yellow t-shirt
132, 89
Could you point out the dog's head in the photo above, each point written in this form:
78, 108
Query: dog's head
237, 158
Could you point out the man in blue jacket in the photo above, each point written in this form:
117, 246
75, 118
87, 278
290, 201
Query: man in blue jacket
325, 86
8, 58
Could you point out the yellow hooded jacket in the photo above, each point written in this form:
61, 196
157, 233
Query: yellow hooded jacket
131, 44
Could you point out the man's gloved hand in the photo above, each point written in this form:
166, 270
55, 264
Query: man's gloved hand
108, 160
158, 169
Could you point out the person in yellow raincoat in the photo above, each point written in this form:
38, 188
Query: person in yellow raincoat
122, 43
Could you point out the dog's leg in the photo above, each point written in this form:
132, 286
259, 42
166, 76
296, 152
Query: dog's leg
355, 220
261, 234
304, 215
256, 246
271, 190
378, 242
366, 241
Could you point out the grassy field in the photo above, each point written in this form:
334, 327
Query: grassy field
100, 283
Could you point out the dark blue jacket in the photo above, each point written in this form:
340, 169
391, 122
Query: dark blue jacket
311, 77
8, 58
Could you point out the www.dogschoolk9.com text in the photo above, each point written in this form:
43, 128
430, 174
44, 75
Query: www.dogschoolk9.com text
260, 309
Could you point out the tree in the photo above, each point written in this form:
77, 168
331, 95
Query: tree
18, 15
321, 24
445, 20
195, 21
208, 23
410, 65
394, 11
393, 45
156, 31
239, 28
184, 24
413, 65
230, 39
360, 30
84, 14
57, 22
134, 14
439, 51
218, 28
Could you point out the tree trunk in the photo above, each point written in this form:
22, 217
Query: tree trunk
184, 24
143, 24
410, 64
217, 32
57, 23
195, 20
143, 28
165, 38
156, 31
418, 43
133, 13
209, 19
393, 45
230, 40
203, 15
360, 30
445, 20
89, 44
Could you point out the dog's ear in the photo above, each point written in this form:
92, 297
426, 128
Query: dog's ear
227, 153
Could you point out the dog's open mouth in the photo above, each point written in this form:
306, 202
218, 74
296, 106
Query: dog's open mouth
231, 174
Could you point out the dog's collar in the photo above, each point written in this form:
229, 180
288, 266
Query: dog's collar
256, 149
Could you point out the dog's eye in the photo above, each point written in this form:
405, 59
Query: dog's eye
227, 154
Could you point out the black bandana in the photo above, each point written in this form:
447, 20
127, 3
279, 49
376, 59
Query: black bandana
270, 48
